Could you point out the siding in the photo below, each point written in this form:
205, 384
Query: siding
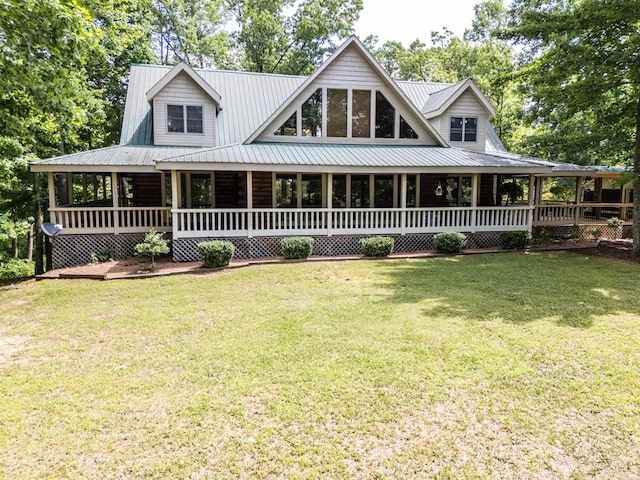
183, 91
262, 192
465, 106
230, 189
351, 70
147, 189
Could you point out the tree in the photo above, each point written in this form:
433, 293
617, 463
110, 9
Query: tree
191, 31
582, 73
479, 55
291, 37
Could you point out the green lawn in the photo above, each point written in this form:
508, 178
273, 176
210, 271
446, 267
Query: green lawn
481, 366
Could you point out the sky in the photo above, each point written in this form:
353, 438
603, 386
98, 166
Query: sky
406, 20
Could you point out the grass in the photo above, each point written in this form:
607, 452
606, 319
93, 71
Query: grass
484, 366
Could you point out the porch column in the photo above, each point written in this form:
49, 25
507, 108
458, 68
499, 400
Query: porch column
114, 198
531, 200
52, 197
403, 203
175, 186
249, 204
474, 201
578, 200
329, 203
372, 190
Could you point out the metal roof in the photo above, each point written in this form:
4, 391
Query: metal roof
331, 156
116, 156
248, 99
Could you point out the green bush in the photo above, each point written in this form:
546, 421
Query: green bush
516, 240
216, 253
14, 268
297, 247
450, 242
376, 246
152, 246
105, 255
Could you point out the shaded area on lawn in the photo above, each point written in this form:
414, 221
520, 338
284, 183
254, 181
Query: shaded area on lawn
503, 287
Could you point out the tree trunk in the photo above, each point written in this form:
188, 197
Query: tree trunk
14, 247
636, 184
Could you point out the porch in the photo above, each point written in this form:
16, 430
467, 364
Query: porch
226, 204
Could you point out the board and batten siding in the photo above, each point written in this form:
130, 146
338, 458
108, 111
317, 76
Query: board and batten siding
350, 70
183, 91
467, 105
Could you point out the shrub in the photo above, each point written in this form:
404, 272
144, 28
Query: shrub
152, 246
615, 222
14, 268
450, 242
105, 255
516, 240
297, 247
376, 246
216, 253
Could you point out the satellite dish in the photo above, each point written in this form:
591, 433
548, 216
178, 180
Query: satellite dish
51, 229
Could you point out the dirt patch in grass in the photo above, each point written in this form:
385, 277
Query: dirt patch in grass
10, 346
621, 249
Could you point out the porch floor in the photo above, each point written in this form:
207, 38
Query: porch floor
132, 268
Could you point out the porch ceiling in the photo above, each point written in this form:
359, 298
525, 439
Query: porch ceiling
334, 157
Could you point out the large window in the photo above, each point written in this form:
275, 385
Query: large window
333, 110
385, 117
293, 189
361, 114
463, 129
336, 113
383, 191
359, 191
312, 115
184, 118
289, 127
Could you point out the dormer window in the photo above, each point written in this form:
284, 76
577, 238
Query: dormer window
184, 119
463, 129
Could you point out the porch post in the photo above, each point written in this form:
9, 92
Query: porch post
249, 204
578, 200
175, 185
52, 198
372, 190
70, 188
403, 203
114, 198
531, 201
329, 203
474, 201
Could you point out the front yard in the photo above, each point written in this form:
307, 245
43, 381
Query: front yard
482, 366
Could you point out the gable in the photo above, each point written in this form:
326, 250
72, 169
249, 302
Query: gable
351, 68
182, 91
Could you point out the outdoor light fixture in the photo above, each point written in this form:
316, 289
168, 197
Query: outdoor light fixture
439, 190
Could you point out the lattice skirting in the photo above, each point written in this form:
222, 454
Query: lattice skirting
589, 232
186, 249
70, 250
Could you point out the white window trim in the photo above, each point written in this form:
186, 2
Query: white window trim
464, 129
184, 118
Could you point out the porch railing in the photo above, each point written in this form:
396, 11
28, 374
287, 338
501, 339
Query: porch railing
581, 214
185, 223
112, 220
279, 222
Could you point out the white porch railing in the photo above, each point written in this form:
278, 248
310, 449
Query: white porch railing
279, 222
581, 214
112, 220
